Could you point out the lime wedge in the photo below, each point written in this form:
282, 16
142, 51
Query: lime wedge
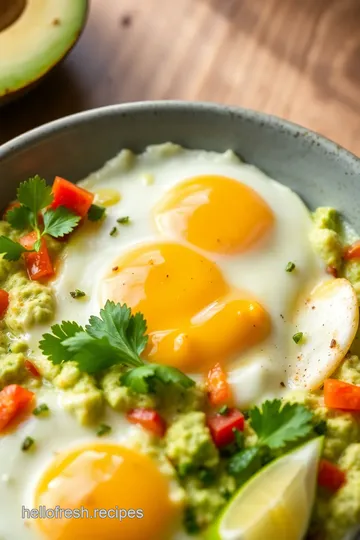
276, 503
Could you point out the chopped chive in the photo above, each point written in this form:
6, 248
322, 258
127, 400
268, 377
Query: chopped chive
223, 410
113, 231
103, 429
27, 444
95, 212
40, 409
123, 220
298, 337
290, 266
77, 293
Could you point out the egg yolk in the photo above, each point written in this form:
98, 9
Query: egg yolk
105, 477
215, 213
194, 317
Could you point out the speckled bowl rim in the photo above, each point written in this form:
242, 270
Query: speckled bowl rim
262, 119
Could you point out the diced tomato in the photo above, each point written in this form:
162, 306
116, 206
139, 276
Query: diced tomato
4, 302
332, 271
219, 391
330, 476
75, 198
32, 368
148, 419
222, 426
13, 400
11, 206
353, 251
38, 263
341, 395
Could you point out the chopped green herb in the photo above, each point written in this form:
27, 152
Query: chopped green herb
239, 438
12, 250
206, 476
28, 442
113, 231
321, 427
223, 410
40, 409
190, 522
245, 463
298, 337
290, 266
95, 212
124, 220
77, 293
116, 337
103, 429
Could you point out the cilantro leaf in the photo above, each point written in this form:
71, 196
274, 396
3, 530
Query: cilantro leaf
276, 424
34, 194
245, 463
95, 212
12, 250
20, 217
59, 222
52, 344
91, 355
143, 379
125, 332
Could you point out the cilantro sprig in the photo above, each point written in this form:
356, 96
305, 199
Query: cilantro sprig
277, 426
34, 196
116, 337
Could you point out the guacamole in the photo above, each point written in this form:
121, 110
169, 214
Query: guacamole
186, 450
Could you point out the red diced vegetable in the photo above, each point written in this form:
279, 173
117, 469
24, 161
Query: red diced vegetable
13, 400
73, 197
332, 271
341, 395
148, 419
330, 476
222, 427
352, 252
32, 368
4, 302
219, 391
38, 263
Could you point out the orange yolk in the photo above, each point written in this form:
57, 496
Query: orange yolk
215, 213
109, 477
194, 317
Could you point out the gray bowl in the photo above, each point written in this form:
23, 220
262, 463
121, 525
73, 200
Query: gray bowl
320, 171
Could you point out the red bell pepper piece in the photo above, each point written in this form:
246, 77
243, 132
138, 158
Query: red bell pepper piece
13, 400
222, 426
341, 395
148, 419
38, 263
332, 271
32, 369
330, 476
4, 302
353, 251
219, 391
73, 197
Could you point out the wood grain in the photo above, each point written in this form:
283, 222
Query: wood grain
298, 59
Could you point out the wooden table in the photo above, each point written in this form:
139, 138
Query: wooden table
299, 59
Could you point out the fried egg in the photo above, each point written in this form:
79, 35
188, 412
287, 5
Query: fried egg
203, 256
72, 468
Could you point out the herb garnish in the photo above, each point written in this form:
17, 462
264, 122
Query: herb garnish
113, 231
103, 429
290, 266
298, 337
95, 212
28, 442
34, 196
40, 409
223, 410
124, 220
277, 426
77, 293
116, 337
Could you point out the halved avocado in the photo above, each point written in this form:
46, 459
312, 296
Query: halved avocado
34, 36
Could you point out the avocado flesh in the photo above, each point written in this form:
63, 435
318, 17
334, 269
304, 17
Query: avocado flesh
43, 32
